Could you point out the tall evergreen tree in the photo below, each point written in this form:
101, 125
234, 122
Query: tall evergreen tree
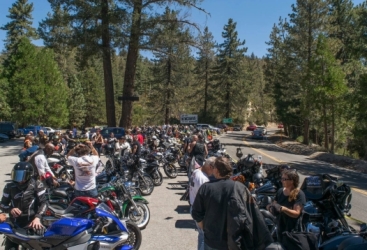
228, 72
204, 67
76, 103
307, 20
20, 25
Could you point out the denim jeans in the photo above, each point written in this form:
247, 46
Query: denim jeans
88, 193
200, 236
206, 247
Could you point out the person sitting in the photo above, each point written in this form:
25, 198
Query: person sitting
85, 169
25, 201
288, 203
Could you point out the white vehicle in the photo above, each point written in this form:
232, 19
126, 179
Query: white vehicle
263, 129
49, 130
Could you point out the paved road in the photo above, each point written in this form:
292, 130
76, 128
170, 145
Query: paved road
273, 154
171, 226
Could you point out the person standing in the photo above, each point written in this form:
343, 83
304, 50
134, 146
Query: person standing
75, 131
98, 142
198, 178
140, 136
135, 146
122, 147
288, 203
198, 149
228, 214
85, 169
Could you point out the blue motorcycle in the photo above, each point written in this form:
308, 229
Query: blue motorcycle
75, 233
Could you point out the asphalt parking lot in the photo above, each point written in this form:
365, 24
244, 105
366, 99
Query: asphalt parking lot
170, 226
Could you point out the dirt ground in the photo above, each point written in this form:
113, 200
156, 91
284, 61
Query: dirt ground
315, 152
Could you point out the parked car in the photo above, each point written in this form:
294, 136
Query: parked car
257, 134
117, 131
34, 128
9, 129
280, 125
251, 127
222, 126
237, 127
4, 138
208, 126
263, 129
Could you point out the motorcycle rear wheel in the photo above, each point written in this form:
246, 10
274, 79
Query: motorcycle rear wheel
135, 237
141, 220
146, 189
170, 170
157, 178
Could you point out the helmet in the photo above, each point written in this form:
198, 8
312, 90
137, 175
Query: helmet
154, 137
258, 178
22, 172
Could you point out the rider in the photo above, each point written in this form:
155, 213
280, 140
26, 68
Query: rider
85, 169
39, 161
25, 200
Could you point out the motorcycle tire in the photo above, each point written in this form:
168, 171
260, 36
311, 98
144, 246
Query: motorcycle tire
135, 237
170, 170
148, 187
141, 220
157, 178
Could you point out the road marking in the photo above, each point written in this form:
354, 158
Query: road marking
279, 161
359, 191
351, 218
261, 152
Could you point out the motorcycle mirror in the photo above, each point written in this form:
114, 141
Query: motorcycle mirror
239, 153
363, 227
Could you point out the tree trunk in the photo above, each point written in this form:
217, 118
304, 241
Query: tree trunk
332, 127
306, 131
107, 66
206, 89
326, 143
168, 95
228, 95
132, 57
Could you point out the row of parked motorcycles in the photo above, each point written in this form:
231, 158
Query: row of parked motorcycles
116, 218
328, 202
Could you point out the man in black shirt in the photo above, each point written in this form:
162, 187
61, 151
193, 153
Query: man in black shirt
228, 214
135, 146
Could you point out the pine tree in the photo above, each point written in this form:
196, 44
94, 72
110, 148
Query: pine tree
20, 25
76, 102
204, 68
229, 69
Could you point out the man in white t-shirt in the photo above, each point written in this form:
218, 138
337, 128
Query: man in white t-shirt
198, 178
85, 169
122, 147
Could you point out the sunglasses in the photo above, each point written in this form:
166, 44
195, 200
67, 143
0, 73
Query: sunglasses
284, 179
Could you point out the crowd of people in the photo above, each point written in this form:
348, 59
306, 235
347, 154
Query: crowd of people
224, 210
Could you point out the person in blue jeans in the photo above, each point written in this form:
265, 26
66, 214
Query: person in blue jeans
85, 166
198, 178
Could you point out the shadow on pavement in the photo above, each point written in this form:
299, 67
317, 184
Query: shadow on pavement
183, 209
354, 179
185, 224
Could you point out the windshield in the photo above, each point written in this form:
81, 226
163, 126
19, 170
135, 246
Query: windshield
103, 207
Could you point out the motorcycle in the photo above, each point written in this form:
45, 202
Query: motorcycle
109, 226
134, 208
75, 233
60, 168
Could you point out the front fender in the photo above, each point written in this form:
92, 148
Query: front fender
135, 198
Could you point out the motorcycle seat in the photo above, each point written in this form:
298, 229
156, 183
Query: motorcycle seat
268, 215
60, 212
60, 193
24, 234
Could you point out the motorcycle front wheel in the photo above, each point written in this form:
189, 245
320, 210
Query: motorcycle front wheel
135, 237
141, 220
170, 170
146, 185
157, 178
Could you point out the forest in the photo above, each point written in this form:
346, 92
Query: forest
313, 78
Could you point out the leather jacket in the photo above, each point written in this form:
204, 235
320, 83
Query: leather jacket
30, 199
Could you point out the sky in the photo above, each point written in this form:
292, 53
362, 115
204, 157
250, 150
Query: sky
254, 18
